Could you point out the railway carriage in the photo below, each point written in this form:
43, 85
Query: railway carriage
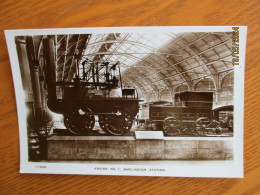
191, 114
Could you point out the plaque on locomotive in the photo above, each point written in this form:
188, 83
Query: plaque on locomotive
142, 98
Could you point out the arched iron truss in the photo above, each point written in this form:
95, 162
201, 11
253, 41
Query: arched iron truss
161, 76
155, 66
197, 56
153, 51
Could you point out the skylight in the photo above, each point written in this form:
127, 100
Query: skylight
128, 49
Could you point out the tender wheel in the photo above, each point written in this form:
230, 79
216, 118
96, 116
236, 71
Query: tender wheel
79, 122
119, 121
171, 126
202, 125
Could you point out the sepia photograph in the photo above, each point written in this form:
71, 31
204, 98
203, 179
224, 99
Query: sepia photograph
148, 101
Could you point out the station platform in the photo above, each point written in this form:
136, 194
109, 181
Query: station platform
104, 147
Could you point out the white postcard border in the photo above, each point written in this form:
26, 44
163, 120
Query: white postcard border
233, 168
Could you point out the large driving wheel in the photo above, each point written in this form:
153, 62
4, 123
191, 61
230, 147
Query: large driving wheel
202, 126
119, 121
103, 121
79, 122
171, 126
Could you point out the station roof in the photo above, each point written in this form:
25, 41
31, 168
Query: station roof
152, 61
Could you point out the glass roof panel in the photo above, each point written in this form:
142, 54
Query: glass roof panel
154, 57
136, 44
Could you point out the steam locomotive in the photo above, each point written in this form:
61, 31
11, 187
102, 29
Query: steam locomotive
89, 94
